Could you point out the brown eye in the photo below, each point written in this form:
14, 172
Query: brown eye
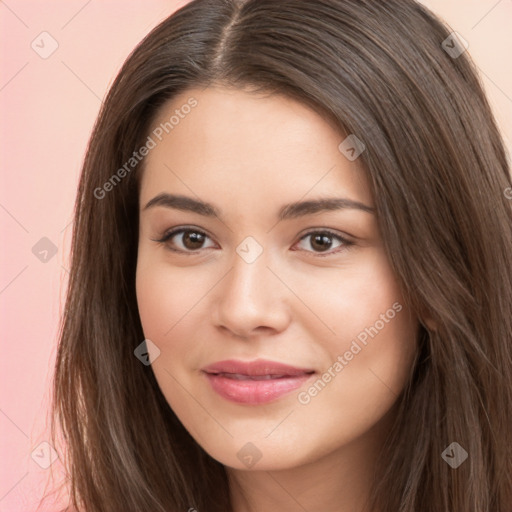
193, 240
324, 241
321, 242
185, 240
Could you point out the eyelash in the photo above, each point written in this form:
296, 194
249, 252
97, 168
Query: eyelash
167, 236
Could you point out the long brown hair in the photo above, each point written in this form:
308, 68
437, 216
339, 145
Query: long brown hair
438, 170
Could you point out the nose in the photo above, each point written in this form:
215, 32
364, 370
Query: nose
251, 300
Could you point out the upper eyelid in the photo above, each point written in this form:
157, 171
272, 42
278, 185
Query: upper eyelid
175, 231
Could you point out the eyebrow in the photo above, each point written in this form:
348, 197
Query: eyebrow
288, 211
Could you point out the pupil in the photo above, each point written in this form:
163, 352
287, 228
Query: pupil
193, 240
324, 242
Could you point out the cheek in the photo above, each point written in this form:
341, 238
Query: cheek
164, 297
372, 349
348, 299
171, 304
166, 310
378, 322
156, 301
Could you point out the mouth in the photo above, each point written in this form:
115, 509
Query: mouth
255, 382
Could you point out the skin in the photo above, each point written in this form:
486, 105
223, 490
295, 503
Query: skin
248, 155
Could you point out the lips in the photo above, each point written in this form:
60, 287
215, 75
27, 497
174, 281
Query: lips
256, 368
255, 382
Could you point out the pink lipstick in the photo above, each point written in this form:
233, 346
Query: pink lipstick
255, 382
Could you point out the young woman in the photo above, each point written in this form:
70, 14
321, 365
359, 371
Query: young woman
291, 270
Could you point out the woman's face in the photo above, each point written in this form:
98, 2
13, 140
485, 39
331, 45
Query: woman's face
266, 271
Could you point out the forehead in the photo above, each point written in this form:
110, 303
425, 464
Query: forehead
252, 145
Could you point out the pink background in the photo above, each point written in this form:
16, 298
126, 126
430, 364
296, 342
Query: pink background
48, 108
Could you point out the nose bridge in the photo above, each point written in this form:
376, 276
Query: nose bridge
249, 275
251, 296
